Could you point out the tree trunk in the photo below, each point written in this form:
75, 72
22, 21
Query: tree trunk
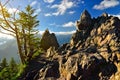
19, 48
25, 43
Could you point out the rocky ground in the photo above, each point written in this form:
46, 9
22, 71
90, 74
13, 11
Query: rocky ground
92, 54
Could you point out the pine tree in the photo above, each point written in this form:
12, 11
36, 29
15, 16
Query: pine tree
28, 22
4, 63
13, 68
4, 73
23, 28
9, 72
13, 65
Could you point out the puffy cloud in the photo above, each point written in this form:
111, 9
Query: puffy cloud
65, 33
33, 3
47, 14
37, 11
60, 32
62, 7
37, 4
106, 4
117, 15
54, 24
13, 10
71, 12
49, 1
6, 36
69, 24
82, 2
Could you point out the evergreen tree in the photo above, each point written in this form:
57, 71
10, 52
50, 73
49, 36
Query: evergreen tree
28, 22
23, 28
9, 72
4, 63
13, 66
4, 73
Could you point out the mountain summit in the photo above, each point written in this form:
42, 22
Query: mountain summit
85, 21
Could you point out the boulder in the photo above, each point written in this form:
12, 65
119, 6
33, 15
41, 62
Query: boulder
48, 40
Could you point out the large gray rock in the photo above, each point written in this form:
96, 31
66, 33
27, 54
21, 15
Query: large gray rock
85, 21
76, 37
48, 40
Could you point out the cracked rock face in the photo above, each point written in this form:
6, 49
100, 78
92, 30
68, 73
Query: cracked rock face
85, 21
48, 40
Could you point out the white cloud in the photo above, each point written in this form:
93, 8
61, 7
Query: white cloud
13, 10
69, 24
62, 7
49, 1
117, 15
37, 11
106, 4
54, 6
55, 13
54, 24
6, 36
33, 3
37, 4
60, 33
47, 14
71, 12
82, 2
65, 33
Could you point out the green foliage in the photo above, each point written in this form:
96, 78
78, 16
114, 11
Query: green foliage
23, 26
28, 23
5, 11
5, 74
21, 68
3, 64
12, 64
11, 71
37, 53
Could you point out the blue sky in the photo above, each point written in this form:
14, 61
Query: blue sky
59, 16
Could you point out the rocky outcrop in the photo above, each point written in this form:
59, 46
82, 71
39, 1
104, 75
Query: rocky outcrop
78, 36
84, 27
85, 21
92, 54
83, 67
48, 40
80, 66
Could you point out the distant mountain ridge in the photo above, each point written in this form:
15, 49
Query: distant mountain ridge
9, 48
